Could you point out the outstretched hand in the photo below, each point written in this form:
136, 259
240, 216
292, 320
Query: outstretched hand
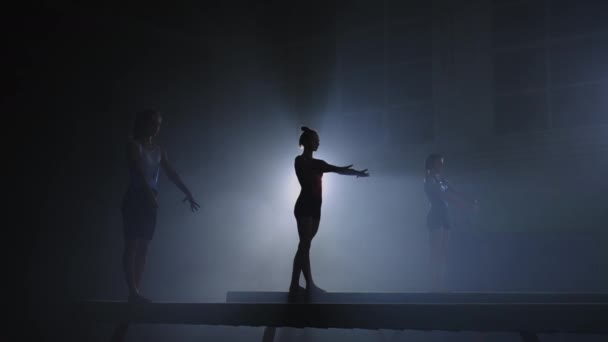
357, 173
193, 205
348, 170
362, 173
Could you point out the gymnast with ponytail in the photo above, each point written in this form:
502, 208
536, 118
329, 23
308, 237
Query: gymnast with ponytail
308, 205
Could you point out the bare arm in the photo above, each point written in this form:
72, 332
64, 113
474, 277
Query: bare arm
346, 170
172, 175
175, 179
458, 198
134, 157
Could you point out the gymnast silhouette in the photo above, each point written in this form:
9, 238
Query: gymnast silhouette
308, 206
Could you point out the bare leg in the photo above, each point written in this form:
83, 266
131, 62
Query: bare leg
298, 258
306, 269
140, 261
297, 264
434, 257
296, 271
445, 238
307, 229
128, 263
299, 261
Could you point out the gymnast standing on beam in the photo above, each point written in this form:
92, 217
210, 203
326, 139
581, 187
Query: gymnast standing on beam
145, 158
308, 206
439, 193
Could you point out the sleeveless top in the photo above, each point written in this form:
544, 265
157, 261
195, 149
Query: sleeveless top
310, 174
434, 186
150, 159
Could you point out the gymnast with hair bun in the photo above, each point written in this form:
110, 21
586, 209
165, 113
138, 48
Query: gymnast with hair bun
308, 206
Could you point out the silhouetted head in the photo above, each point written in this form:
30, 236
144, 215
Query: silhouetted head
146, 124
309, 139
434, 163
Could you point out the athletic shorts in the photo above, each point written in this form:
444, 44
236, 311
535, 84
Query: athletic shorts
138, 216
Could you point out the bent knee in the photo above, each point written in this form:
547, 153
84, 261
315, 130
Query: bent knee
304, 244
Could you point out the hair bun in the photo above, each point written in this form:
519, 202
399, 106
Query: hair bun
305, 129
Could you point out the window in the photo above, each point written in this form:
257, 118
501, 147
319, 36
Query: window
385, 67
550, 64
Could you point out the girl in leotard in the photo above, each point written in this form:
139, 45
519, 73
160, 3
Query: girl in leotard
439, 193
308, 206
145, 158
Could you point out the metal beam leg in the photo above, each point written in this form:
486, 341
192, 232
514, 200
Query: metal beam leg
120, 332
529, 337
269, 333
394, 335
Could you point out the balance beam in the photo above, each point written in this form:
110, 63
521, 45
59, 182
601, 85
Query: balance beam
526, 314
421, 297
431, 298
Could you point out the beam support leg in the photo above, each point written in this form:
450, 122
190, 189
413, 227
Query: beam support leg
120, 332
529, 337
394, 335
269, 333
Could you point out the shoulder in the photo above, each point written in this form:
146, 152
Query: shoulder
319, 162
297, 162
300, 159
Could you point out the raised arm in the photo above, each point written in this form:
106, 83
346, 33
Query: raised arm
345, 170
134, 158
175, 179
458, 198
